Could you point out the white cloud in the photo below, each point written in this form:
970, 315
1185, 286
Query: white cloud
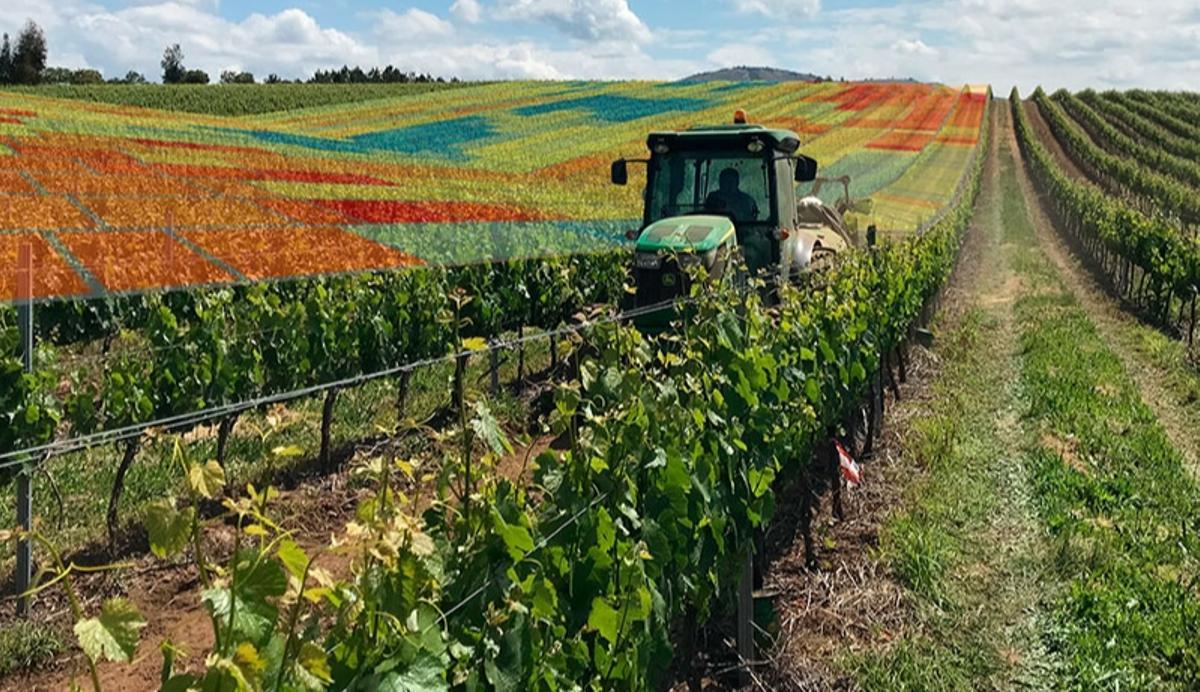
589, 20
468, 11
784, 9
413, 24
1069, 43
914, 47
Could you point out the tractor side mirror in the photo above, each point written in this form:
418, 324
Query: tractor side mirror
620, 172
806, 169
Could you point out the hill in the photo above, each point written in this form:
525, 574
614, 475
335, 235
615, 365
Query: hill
743, 73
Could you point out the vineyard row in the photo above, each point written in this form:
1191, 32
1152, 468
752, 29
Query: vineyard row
1148, 260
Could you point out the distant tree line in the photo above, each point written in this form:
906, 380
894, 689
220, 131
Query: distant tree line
356, 75
25, 63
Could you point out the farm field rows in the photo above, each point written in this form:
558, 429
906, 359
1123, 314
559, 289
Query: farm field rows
1047, 540
570, 534
117, 199
1137, 211
186, 351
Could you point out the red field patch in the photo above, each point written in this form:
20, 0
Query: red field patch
137, 260
391, 211
52, 276
284, 252
901, 141
930, 112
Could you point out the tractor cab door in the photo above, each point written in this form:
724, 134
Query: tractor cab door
784, 193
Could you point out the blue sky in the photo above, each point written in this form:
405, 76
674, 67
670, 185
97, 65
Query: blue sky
1071, 43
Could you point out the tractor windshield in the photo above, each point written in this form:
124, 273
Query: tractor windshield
728, 183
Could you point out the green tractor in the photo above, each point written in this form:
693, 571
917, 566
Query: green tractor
714, 192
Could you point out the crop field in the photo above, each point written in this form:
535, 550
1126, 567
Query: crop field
346, 389
117, 199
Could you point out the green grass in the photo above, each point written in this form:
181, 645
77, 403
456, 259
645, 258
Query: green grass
1121, 508
230, 99
965, 543
25, 644
937, 541
1125, 514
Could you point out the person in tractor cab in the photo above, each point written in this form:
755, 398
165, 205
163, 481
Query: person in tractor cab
729, 198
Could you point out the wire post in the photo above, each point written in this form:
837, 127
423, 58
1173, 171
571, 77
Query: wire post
24, 575
494, 366
745, 616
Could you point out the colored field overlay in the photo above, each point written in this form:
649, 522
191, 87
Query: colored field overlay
106, 200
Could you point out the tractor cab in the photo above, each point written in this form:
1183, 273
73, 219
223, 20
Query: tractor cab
712, 192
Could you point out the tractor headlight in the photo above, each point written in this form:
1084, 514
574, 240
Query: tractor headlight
688, 260
755, 146
647, 260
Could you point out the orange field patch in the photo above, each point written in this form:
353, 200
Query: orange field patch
303, 211
11, 182
160, 212
283, 252
137, 260
958, 141
46, 163
41, 213
52, 276
88, 184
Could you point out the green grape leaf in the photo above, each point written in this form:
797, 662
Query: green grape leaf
168, 528
312, 668
293, 557
516, 538
488, 429
114, 634
604, 619
425, 674
206, 479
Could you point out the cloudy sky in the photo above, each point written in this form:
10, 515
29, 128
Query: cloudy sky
1071, 43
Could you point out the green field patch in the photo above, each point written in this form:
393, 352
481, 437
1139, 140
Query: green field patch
467, 243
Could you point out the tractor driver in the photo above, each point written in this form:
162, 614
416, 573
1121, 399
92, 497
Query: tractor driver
729, 198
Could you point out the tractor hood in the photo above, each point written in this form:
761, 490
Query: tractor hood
696, 234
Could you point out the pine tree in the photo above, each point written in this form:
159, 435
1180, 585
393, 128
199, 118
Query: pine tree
29, 58
6, 62
172, 65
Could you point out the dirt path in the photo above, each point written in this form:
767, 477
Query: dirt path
941, 557
1051, 142
1158, 364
